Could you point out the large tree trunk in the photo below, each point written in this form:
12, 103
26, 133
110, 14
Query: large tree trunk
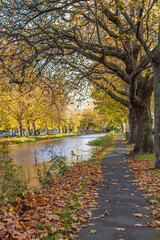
133, 124
156, 70
144, 143
19, 128
140, 97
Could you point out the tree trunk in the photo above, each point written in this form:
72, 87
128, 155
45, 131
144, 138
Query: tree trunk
28, 132
156, 70
34, 128
64, 130
59, 119
124, 127
144, 142
61, 129
46, 129
122, 130
141, 103
19, 128
68, 129
133, 124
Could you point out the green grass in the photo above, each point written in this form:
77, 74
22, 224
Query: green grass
103, 141
146, 156
153, 198
40, 226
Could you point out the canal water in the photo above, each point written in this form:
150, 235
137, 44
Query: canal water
74, 148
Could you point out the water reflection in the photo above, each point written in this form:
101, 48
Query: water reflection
74, 148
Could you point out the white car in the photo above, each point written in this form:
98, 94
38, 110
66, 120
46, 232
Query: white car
43, 133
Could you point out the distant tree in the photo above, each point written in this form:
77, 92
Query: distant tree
115, 114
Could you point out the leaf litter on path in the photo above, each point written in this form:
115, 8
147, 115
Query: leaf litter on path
147, 180
60, 211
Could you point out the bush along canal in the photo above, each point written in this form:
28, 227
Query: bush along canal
62, 207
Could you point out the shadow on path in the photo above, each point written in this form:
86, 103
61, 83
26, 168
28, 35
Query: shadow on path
124, 200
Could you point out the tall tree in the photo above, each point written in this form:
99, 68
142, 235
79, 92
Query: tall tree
93, 29
146, 27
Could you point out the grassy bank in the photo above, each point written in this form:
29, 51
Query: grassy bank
104, 140
18, 140
60, 211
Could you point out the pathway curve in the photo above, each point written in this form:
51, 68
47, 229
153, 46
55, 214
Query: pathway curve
123, 200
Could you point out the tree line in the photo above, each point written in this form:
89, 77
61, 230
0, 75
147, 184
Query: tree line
35, 111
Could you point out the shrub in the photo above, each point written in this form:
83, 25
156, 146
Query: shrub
11, 184
47, 170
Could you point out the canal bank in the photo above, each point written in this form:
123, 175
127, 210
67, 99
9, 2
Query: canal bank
74, 148
20, 140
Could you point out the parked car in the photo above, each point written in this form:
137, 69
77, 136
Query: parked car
55, 132
14, 134
43, 132
5, 134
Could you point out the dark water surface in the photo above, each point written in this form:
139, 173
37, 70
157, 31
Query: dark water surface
24, 154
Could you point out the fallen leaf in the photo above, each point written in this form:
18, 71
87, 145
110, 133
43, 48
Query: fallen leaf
82, 220
99, 216
106, 213
53, 217
89, 213
3, 233
92, 231
153, 201
2, 226
153, 223
155, 213
138, 225
73, 225
138, 215
120, 229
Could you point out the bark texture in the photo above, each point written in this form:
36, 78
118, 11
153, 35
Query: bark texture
133, 124
156, 69
144, 142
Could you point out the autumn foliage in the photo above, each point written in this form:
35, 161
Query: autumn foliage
57, 213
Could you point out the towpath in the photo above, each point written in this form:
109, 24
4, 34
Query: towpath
120, 204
